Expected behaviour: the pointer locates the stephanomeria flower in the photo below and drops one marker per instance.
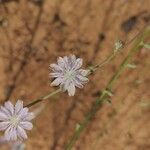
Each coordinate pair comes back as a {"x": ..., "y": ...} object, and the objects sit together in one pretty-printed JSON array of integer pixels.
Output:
[
  {"x": 14, "y": 120},
  {"x": 68, "y": 75}
]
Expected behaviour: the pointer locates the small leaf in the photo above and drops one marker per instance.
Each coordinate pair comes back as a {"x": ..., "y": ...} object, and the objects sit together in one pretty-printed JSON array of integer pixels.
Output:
[
  {"x": 132, "y": 66},
  {"x": 118, "y": 45},
  {"x": 77, "y": 126},
  {"x": 109, "y": 101},
  {"x": 109, "y": 93},
  {"x": 91, "y": 68},
  {"x": 147, "y": 46}
]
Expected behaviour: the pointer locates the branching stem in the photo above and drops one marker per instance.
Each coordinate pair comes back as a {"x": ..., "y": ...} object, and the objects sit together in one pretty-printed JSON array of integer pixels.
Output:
[{"x": 104, "y": 96}]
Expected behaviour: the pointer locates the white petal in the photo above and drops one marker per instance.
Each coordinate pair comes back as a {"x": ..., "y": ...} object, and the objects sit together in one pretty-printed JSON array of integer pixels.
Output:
[
  {"x": 65, "y": 85},
  {"x": 84, "y": 72},
  {"x": 21, "y": 133},
  {"x": 82, "y": 78},
  {"x": 18, "y": 106},
  {"x": 71, "y": 62},
  {"x": 55, "y": 75},
  {"x": 56, "y": 82},
  {"x": 71, "y": 90},
  {"x": 61, "y": 62},
  {"x": 78, "y": 84},
  {"x": 4, "y": 125},
  {"x": 55, "y": 67},
  {"x": 78, "y": 64},
  {"x": 62, "y": 87},
  {"x": 3, "y": 116},
  {"x": 13, "y": 135},
  {"x": 5, "y": 111},
  {"x": 29, "y": 117},
  {"x": 10, "y": 134},
  {"x": 9, "y": 106},
  {"x": 65, "y": 58},
  {"x": 23, "y": 112},
  {"x": 26, "y": 125},
  {"x": 73, "y": 57}
]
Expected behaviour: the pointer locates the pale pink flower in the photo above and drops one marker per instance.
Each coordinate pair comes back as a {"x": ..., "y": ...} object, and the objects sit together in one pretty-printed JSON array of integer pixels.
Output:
[
  {"x": 14, "y": 120},
  {"x": 68, "y": 75}
]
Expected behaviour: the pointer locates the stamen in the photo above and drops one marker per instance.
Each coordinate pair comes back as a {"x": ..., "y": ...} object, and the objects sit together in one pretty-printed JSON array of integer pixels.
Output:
[{"x": 14, "y": 120}]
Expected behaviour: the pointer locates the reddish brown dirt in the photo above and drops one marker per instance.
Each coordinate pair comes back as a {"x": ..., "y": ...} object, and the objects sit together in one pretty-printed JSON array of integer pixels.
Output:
[{"x": 33, "y": 35}]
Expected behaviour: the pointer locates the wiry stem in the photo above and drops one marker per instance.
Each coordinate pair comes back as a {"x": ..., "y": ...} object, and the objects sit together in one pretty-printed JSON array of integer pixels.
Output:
[
  {"x": 43, "y": 98},
  {"x": 104, "y": 96},
  {"x": 108, "y": 59}
]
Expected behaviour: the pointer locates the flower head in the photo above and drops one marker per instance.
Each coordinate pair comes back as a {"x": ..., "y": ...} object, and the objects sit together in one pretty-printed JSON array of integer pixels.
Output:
[
  {"x": 68, "y": 75},
  {"x": 14, "y": 120}
]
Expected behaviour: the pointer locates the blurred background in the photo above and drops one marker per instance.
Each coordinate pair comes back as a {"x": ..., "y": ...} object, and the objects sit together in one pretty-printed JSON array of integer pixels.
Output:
[{"x": 33, "y": 33}]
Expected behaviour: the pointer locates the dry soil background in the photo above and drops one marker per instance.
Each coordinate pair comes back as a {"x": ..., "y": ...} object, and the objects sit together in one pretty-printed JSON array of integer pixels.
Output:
[{"x": 33, "y": 33}]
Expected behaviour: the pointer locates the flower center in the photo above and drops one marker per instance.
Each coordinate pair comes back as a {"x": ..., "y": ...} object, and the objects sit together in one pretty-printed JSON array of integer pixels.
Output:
[
  {"x": 14, "y": 120},
  {"x": 69, "y": 75}
]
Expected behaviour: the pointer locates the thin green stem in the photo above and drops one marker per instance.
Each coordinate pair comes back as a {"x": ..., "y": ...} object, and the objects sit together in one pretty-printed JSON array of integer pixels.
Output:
[
  {"x": 107, "y": 60},
  {"x": 104, "y": 96},
  {"x": 43, "y": 98}
]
